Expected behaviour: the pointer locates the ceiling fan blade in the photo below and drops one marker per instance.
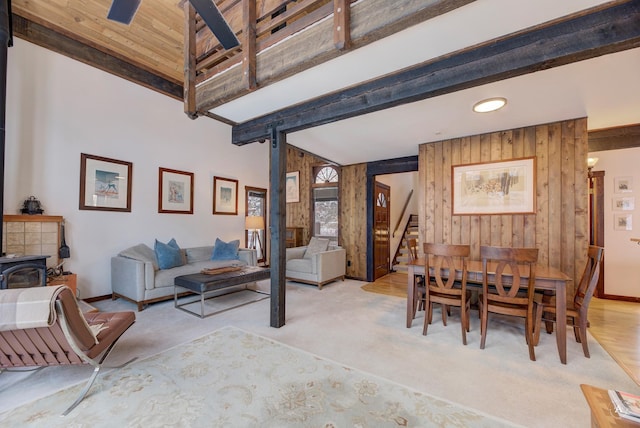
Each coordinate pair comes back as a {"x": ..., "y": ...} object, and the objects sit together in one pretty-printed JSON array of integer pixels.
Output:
[
  {"x": 123, "y": 10},
  {"x": 210, "y": 14}
]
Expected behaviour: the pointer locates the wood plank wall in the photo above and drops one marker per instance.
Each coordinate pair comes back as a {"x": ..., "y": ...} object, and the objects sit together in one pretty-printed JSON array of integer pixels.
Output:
[
  {"x": 353, "y": 207},
  {"x": 299, "y": 213},
  {"x": 353, "y": 218},
  {"x": 559, "y": 229}
]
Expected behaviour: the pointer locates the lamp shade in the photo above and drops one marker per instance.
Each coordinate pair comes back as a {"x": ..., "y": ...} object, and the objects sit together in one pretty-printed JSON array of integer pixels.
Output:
[{"x": 252, "y": 222}]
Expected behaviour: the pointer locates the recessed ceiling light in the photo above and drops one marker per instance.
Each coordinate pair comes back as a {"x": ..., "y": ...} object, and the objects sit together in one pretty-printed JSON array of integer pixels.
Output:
[{"x": 490, "y": 104}]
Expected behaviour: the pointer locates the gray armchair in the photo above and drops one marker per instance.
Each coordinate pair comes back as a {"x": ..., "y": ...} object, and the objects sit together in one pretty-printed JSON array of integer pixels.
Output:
[{"x": 315, "y": 264}]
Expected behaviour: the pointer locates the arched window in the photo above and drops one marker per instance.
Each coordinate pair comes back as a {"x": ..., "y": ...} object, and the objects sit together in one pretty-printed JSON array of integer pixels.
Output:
[{"x": 326, "y": 189}]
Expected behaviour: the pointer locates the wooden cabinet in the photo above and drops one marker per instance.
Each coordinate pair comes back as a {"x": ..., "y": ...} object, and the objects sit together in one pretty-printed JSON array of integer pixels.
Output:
[{"x": 293, "y": 237}]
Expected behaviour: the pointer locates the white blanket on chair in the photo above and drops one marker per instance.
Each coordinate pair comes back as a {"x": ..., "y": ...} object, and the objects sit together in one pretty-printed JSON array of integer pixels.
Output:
[{"x": 28, "y": 307}]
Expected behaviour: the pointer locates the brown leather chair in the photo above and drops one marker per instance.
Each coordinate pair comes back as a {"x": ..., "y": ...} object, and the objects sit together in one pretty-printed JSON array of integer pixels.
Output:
[
  {"x": 578, "y": 308},
  {"x": 502, "y": 294},
  {"x": 441, "y": 286},
  {"x": 69, "y": 340}
]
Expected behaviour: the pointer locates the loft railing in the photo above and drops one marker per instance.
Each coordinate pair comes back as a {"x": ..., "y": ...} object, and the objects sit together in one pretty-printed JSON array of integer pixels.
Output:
[{"x": 258, "y": 25}]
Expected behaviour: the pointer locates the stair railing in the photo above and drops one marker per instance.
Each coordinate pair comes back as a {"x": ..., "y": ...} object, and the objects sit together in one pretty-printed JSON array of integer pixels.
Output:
[
  {"x": 401, "y": 243},
  {"x": 404, "y": 208}
]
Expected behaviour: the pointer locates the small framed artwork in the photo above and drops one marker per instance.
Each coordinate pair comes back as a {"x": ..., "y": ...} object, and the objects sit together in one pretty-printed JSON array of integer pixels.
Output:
[
  {"x": 622, "y": 203},
  {"x": 293, "y": 186},
  {"x": 175, "y": 191},
  {"x": 622, "y": 184},
  {"x": 225, "y": 196},
  {"x": 622, "y": 222},
  {"x": 105, "y": 184}
]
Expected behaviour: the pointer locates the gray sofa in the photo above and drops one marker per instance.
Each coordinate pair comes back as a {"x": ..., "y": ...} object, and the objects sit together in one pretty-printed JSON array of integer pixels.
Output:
[{"x": 135, "y": 275}]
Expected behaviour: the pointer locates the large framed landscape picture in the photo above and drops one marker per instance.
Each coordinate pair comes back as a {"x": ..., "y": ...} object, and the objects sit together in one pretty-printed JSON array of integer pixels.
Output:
[
  {"x": 503, "y": 187},
  {"x": 105, "y": 184}
]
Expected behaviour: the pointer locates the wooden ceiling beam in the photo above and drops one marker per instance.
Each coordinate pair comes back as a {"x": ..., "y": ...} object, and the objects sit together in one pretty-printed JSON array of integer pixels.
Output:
[
  {"x": 603, "y": 30},
  {"x": 620, "y": 137},
  {"x": 62, "y": 44}
]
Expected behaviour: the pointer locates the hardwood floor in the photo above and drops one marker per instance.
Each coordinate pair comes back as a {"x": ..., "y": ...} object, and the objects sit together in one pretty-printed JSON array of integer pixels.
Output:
[{"x": 614, "y": 324}]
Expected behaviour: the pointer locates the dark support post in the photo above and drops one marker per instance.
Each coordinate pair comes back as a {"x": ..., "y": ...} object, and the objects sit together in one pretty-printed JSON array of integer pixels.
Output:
[
  {"x": 5, "y": 41},
  {"x": 278, "y": 224}
]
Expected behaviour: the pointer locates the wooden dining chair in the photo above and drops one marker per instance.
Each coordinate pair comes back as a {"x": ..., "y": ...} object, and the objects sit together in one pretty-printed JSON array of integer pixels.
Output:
[
  {"x": 419, "y": 290},
  {"x": 578, "y": 308},
  {"x": 441, "y": 285},
  {"x": 501, "y": 288}
]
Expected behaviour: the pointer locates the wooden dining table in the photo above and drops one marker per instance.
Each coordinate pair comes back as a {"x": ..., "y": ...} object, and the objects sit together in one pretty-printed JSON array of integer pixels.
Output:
[{"x": 547, "y": 278}]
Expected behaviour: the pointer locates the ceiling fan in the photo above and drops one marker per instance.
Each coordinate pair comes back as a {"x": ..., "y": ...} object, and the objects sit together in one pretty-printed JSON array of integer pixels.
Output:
[{"x": 123, "y": 11}]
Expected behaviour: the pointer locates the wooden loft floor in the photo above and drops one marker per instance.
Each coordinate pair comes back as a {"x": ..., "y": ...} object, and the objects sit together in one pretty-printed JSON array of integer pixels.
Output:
[{"x": 614, "y": 324}]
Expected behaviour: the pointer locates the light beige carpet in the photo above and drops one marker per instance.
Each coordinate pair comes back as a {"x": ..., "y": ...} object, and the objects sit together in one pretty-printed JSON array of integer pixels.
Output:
[
  {"x": 232, "y": 378},
  {"x": 366, "y": 331}
]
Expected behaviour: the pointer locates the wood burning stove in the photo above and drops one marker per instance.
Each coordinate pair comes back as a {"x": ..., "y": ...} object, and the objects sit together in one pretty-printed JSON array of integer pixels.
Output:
[{"x": 23, "y": 272}]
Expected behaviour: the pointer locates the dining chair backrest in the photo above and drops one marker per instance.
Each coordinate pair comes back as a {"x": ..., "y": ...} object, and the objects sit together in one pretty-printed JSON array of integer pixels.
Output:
[
  {"x": 440, "y": 262},
  {"x": 589, "y": 280},
  {"x": 509, "y": 268},
  {"x": 505, "y": 297}
]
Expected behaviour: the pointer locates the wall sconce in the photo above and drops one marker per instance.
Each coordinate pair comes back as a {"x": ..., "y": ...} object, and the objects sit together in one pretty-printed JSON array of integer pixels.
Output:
[
  {"x": 591, "y": 162},
  {"x": 254, "y": 223}
]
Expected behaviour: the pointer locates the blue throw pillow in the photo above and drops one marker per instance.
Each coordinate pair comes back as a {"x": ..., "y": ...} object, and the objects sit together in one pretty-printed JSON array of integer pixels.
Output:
[
  {"x": 168, "y": 255},
  {"x": 225, "y": 251}
]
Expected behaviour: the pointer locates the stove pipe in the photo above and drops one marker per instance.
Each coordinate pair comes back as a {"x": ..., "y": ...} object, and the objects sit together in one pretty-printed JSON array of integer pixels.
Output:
[{"x": 5, "y": 42}]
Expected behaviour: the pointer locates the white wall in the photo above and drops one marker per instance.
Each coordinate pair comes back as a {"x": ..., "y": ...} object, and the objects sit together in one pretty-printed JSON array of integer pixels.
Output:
[
  {"x": 58, "y": 108},
  {"x": 401, "y": 185},
  {"x": 622, "y": 257}
]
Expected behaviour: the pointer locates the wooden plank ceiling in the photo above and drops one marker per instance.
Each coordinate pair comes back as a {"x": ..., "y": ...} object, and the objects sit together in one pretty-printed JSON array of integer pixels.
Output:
[{"x": 149, "y": 51}]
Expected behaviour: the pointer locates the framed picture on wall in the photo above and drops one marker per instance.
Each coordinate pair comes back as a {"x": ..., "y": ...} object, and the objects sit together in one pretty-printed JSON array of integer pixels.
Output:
[
  {"x": 622, "y": 222},
  {"x": 105, "y": 184},
  {"x": 622, "y": 184},
  {"x": 622, "y": 203},
  {"x": 175, "y": 191},
  {"x": 293, "y": 186},
  {"x": 225, "y": 196},
  {"x": 503, "y": 187}
]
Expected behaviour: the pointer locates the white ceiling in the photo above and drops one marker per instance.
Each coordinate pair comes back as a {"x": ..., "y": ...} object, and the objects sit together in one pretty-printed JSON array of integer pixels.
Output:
[{"x": 604, "y": 89}]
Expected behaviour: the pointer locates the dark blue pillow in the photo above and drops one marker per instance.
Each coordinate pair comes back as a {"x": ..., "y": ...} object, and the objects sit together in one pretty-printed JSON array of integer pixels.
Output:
[
  {"x": 168, "y": 255},
  {"x": 225, "y": 251}
]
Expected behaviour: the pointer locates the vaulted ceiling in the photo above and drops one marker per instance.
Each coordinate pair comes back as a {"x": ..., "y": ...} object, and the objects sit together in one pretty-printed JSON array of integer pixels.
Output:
[{"x": 150, "y": 52}]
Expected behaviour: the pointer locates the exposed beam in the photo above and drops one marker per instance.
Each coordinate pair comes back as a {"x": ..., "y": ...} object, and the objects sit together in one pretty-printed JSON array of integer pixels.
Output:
[
  {"x": 49, "y": 39},
  {"x": 341, "y": 24},
  {"x": 277, "y": 225},
  {"x": 621, "y": 137},
  {"x": 588, "y": 35}
]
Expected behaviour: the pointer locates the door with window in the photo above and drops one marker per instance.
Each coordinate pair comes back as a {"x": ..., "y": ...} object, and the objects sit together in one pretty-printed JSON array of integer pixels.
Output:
[
  {"x": 381, "y": 216},
  {"x": 256, "y": 221}
]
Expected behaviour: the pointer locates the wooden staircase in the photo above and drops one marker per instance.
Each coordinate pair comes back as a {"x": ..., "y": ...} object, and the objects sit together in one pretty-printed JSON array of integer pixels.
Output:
[{"x": 402, "y": 257}]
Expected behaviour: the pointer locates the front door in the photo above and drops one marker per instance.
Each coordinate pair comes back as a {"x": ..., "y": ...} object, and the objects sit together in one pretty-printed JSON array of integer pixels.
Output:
[{"x": 381, "y": 215}]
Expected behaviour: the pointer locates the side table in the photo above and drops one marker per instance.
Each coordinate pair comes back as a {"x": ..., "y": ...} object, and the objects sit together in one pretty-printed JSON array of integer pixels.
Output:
[
  {"x": 603, "y": 413},
  {"x": 70, "y": 280}
]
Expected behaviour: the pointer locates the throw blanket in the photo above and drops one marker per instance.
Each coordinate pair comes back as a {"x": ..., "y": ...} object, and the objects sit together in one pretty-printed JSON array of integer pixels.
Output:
[{"x": 28, "y": 307}]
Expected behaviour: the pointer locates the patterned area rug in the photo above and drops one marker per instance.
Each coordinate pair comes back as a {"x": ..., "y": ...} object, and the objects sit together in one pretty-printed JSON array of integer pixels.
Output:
[{"x": 232, "y": 378}]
